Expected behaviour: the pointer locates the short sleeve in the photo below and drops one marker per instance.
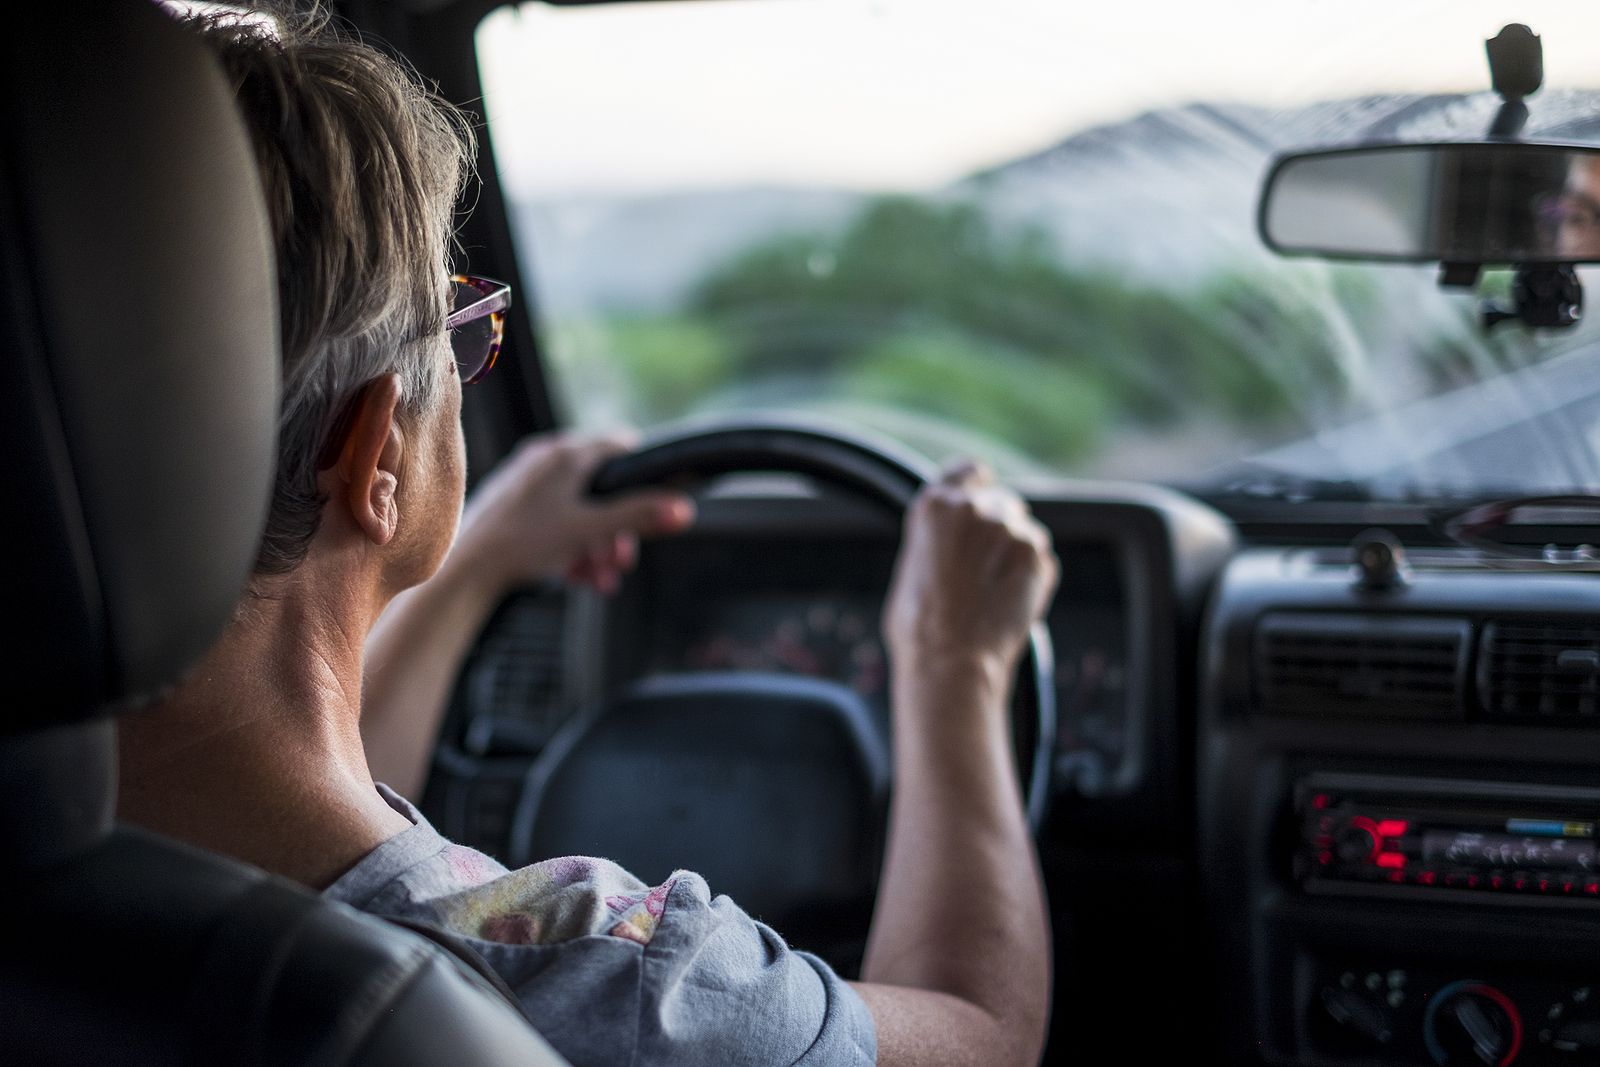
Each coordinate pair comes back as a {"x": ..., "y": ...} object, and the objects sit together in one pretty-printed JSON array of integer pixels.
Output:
[
  {"x": 617, "y": 973},
  {"x": 718, "y": 987}
]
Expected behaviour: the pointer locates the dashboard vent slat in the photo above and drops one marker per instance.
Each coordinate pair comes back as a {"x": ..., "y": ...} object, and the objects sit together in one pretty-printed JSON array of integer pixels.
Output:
[
  {"x": 514, "y": 690},
  {"x": 1540, "y": 672},
  {"x": 1310, "y": 664}
]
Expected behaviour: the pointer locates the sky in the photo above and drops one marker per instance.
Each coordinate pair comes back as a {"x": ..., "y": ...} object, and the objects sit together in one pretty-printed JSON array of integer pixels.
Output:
[{"x": 911, "y": 94}]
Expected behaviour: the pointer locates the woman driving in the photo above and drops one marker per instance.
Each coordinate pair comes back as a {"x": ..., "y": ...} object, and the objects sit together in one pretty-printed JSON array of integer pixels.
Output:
[{"x": 371, "y": 582}]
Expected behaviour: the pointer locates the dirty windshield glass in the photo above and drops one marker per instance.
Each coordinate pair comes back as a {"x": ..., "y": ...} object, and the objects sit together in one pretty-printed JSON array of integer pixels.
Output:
[{"x": 1027, "y": 231}]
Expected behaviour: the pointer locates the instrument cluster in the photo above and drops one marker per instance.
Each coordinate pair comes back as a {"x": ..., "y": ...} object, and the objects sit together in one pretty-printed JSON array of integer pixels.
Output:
[
  {"x": 832, "y": 636},
  {"x": 813, "y": 608}
]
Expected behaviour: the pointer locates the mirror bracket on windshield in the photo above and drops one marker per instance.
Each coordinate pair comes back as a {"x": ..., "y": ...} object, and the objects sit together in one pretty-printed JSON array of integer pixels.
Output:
[
  {"x": 1545, "y": 295},
  {"x": 1548, "y": 296}
]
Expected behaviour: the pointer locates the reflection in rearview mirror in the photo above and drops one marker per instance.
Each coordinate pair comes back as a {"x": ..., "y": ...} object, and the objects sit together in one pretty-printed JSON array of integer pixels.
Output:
[{"x": 1457, "y": 203}]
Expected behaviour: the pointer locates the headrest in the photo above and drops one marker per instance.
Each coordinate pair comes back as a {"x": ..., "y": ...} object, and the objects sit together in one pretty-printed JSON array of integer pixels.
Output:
[{"x": 139, "y": 388}]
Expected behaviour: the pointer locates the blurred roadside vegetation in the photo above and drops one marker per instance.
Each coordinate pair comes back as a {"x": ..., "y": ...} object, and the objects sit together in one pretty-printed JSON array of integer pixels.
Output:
[{"x": 928, "y": 307}]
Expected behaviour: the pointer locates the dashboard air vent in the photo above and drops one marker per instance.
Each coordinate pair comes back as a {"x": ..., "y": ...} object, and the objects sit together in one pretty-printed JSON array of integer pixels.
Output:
[
  {"x": 513, "y": 691},
  {"x": 1374, "y": 666},
  {"x": 1537, "y": 671}
]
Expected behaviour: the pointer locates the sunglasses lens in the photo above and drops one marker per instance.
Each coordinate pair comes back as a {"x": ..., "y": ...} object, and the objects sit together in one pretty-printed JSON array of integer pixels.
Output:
[{"x": 472, "y": 341}]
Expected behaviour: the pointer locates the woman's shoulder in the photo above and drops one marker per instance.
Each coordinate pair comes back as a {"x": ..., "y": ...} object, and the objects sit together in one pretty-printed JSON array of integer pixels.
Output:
[
  {"x": 550, "y": 902},
  {"x": 612, "y": 968}
]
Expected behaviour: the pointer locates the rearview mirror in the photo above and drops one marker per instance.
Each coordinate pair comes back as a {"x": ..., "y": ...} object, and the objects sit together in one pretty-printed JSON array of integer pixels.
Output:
[{"x": 1494, "y": 203}]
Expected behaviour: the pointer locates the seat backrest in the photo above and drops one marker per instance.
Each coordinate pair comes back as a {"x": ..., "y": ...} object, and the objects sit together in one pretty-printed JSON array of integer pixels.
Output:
[{"x": 138, "y": 411}]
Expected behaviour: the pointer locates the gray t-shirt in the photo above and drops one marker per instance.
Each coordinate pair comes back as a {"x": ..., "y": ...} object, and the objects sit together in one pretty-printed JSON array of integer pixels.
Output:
[{"x": 614, "y": 972}]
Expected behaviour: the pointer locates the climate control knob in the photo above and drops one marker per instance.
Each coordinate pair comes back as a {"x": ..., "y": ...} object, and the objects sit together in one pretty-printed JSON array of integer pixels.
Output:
[{"x": 1470, "y": 1022}]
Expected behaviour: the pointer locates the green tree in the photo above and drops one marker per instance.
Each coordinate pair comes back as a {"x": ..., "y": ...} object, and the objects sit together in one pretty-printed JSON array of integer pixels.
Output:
[{"x": 928, "y": 306}]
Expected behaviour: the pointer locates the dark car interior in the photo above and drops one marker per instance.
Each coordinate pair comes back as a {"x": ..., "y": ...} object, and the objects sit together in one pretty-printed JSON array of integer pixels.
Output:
[{"x": 1315, "y": 777}]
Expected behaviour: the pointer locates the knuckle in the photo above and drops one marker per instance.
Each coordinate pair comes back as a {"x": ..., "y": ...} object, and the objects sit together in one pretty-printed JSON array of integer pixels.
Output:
[
  {"x": 1020, "y": 553},
  {"x": 567, "y": 455},
  {"x": 943, "y": 500}
]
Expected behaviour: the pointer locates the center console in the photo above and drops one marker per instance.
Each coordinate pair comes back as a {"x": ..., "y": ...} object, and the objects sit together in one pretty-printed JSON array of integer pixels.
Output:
[{"x": 1400, "y": 813}]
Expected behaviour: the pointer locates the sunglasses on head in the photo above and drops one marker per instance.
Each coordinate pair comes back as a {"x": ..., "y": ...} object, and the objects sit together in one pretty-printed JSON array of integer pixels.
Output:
[{"x": 476, "y": 323}]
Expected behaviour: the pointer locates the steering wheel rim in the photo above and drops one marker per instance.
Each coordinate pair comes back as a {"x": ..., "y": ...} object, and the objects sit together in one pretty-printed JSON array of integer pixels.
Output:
[{"x": 877, "y": 470}]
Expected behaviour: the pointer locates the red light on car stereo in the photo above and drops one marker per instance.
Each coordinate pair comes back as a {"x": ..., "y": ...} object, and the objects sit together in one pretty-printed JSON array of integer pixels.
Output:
[{"x": 1470, "y": 844}]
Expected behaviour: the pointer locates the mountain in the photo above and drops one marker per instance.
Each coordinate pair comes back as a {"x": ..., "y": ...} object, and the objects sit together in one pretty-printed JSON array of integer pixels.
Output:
[{"x": 1167, "y": 195}]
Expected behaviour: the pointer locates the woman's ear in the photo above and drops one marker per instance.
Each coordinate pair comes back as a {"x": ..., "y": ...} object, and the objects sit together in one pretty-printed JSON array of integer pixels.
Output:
[{"x": 369, "y": 464}]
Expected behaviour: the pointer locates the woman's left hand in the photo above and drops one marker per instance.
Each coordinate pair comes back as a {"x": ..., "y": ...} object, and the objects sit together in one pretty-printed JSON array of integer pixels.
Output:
[{"x": 532, "y": 520}]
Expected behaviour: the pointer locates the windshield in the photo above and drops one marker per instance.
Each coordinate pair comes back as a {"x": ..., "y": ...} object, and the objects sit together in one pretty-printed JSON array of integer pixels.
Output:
[{"x": 1027, "y": 231}]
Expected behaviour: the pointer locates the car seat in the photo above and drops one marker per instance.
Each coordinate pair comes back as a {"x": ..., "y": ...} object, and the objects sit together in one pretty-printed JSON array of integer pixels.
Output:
[{"x": 138, "y": 404}]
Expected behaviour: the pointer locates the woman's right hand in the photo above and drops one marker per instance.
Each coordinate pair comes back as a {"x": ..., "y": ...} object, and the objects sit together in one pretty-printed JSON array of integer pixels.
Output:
[
  {"x": 957, "y": 968},
  {"x": 976, "y": 571}
]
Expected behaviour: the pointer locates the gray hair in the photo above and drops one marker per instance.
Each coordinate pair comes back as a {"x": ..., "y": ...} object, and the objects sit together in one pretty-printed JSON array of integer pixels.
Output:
[{"x": 362, "y": 165}]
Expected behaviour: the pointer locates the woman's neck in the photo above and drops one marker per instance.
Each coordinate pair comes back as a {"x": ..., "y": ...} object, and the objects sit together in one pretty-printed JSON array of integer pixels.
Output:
[{"x": 257, "y": 752}]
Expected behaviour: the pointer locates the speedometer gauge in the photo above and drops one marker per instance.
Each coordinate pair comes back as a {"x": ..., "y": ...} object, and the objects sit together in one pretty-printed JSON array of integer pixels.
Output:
[{"x": 834, "y": 638}]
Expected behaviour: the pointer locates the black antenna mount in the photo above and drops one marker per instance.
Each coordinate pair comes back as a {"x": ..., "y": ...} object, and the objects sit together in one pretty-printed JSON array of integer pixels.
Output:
[{"x": 1516, "y": 70}]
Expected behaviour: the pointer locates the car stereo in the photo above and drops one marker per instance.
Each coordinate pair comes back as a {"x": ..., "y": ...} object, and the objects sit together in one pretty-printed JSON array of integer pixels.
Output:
[{"x": 1364, "y": 834}]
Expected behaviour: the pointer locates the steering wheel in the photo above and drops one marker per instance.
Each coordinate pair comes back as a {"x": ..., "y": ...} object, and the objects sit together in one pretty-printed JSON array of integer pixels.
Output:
[
  {"x": 774, "y": 787},
  {"x": 875, "y": 470}
]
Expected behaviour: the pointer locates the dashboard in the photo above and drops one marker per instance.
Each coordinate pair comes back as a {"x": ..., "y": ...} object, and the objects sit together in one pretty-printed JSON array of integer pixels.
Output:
[
  {"x": 1300, "y": 819},
  {"x": 1399, "y": 809}
]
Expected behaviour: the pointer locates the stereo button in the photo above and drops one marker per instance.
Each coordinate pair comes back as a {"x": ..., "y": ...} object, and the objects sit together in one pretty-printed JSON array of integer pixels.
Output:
[{"x": 1356, "y": 844}]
